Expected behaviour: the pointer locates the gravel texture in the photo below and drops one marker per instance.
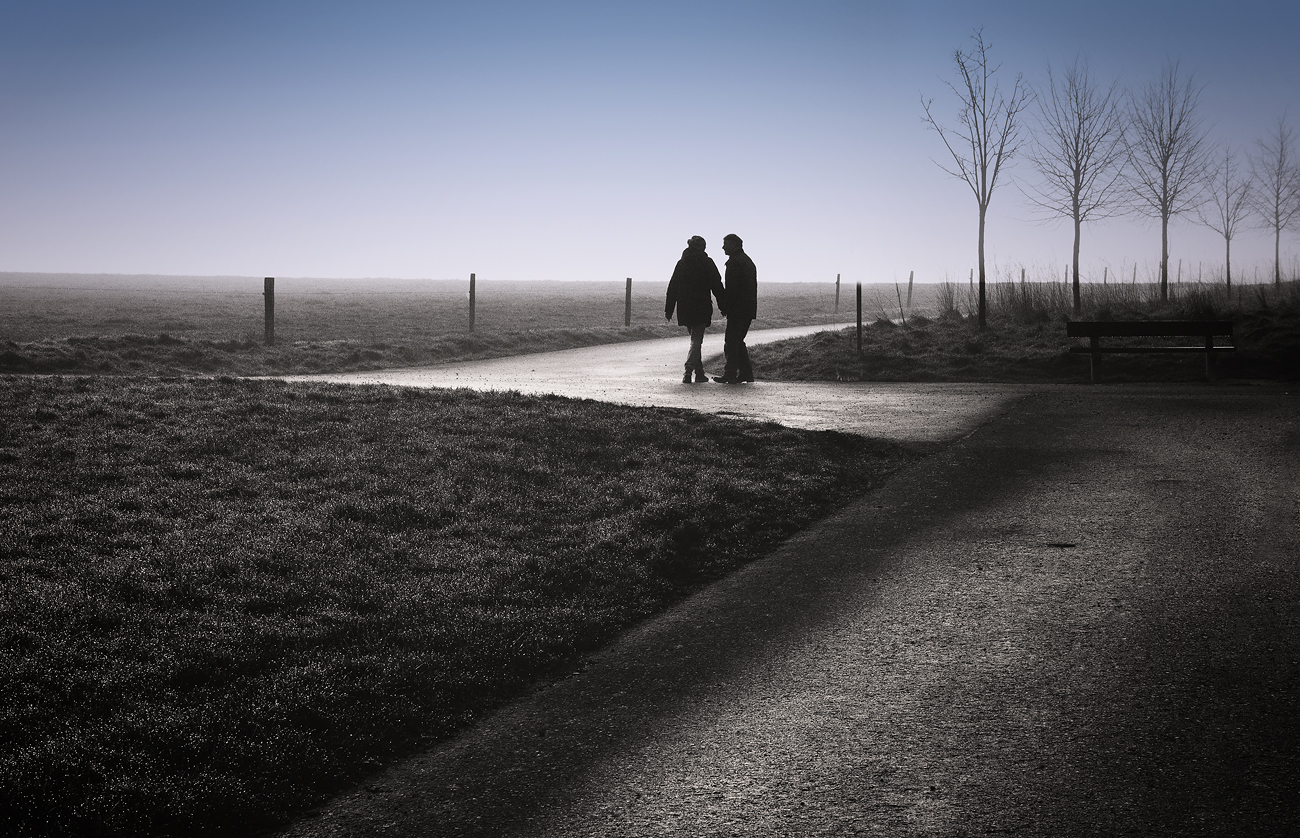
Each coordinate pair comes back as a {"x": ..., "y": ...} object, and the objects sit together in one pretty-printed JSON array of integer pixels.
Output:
[{"x": 1078, "y": 619}]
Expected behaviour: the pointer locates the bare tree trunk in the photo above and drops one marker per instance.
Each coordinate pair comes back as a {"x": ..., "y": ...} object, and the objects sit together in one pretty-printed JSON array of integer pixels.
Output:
[
  {"x": 1078, "y": 305},
  {"x": 1164, "y": 257},
  {"x": 1277, "y": 254},
  {"x": 1227, "y": 261},
  {"x": 1168, "y": 154},
  {"x": 983, "y": 308},
  {"x": 989, "y": 129},
  {"x": 1079, "y": 150},
  {"x": 1275, "y": 169}
]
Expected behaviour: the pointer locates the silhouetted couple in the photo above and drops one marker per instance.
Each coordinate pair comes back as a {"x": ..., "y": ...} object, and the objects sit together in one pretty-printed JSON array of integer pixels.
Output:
[{"x": 696, "y": 278}]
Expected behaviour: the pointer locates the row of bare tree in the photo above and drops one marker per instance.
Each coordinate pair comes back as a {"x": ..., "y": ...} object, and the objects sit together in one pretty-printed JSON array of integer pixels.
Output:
[{"x": 1100, "y": 151}]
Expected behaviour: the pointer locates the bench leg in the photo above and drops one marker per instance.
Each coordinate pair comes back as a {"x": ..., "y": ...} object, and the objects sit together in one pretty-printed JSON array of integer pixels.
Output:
[
  {"x": 1094, "y": 358},
  {"x": 1210, "y": 374}
]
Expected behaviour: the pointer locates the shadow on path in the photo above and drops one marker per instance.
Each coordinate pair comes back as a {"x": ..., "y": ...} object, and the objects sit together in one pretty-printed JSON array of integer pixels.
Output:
[{"x": 1077, "y": 621}]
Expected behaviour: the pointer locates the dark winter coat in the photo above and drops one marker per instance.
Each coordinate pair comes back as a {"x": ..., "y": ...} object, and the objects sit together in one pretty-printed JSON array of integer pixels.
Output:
[
  {"x": 694, "y": 278},
  {"x": 742, "y": 287}
]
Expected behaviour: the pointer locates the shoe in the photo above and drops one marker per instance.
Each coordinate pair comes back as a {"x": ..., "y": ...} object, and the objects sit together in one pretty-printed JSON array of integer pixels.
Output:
[
  {"x": 686, "y": 379},
  {"x": 746, "y": 379},
  {"x": 722, "y": 379},
  {"x": 701, "y": 377}
]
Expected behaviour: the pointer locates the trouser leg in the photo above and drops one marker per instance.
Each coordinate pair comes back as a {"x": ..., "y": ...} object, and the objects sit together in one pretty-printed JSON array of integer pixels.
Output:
[
  {"x": 737, "y": 353},
  {"x": 731, "y": 349},
  {"x": 694, "y": 358}
]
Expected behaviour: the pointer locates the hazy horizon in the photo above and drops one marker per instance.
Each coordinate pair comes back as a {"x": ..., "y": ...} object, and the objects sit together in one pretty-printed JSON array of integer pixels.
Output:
[
  {"x": 288, "y": 284},
  {"x": 572, "y": 141}
]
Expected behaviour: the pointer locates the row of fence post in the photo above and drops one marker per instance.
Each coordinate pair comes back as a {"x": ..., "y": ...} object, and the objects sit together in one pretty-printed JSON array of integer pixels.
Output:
[{"x": 268, "y": 294}]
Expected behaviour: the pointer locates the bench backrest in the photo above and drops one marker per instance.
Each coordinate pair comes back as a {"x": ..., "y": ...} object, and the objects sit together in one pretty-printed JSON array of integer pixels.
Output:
[{"x": 1146, "y": 328}]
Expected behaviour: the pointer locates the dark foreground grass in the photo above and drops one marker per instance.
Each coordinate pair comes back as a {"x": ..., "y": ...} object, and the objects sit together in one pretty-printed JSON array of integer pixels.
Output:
[
  {"x": 1025, "y": 339},
  {"x": 222, "y": 599}
]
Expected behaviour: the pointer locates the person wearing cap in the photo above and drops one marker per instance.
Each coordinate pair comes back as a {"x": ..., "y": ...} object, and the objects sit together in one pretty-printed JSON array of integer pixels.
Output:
[
  {"x": 741, "y": 309},
  {"x": 694, "y": 279}
]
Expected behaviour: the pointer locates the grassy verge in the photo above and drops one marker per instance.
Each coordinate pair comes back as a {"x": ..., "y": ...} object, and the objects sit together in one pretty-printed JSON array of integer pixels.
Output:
[
  {"x": 1025, "y": 339},
  {"x": 221, "y": 599}
]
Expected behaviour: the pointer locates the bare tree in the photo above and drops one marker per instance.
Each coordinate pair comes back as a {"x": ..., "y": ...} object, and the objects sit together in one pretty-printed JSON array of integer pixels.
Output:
[
  {"x": 988, "y": 132},
  {"x": 1078, "y": 149},
  {"x": 1167, "y": 153},
  {"x": 1228, "y": 204},
  {"x": 1276, "y": 169}
]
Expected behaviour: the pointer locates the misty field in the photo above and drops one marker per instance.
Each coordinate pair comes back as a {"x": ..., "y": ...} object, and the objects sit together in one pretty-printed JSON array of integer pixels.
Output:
[{"x": 125, "y": 325}]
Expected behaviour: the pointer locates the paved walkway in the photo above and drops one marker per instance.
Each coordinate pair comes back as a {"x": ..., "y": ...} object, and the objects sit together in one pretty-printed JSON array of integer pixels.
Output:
[
  {"x": 648, "y": 373},
  {"x": 1077, "y": 619}
]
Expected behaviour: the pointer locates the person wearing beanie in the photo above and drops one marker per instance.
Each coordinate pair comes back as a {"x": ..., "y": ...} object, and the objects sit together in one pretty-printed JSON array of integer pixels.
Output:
[
  {"x": 694, "y": 279},
  {"x": 742, "y": 308}
]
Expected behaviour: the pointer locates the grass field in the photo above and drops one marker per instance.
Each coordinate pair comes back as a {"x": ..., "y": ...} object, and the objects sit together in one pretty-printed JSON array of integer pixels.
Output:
[
  {"x": 123, "y": 325},
  {"x": 222, "y": 599}
]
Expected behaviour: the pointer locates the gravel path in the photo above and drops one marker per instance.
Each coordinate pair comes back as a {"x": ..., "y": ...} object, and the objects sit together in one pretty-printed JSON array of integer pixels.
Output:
[{"x": 1078, "y": 619}]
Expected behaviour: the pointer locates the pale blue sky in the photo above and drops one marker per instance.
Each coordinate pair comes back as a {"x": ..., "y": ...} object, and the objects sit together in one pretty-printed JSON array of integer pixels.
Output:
[{"x": 564, "y": 140}]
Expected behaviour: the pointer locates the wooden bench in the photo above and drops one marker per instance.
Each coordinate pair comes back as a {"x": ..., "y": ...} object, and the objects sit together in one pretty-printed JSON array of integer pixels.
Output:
[{"x": 1095, "y": 330}]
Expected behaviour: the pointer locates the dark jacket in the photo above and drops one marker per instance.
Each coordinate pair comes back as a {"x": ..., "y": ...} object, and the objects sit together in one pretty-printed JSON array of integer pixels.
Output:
[
  {"x": 688, "y": 291},
  {"x": 742, "y": 287}
]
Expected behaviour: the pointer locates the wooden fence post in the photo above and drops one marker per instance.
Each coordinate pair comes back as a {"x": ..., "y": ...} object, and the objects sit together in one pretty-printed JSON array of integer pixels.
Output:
[
  {"x": 837, "y": 293},
  {"x": 627, "y": 304},
  {"x": 859, "y": 318},
  {"x": 268, "y": 295},
  {"x": 471, "y": 302},
  {"x": 910, "y": 276}
]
